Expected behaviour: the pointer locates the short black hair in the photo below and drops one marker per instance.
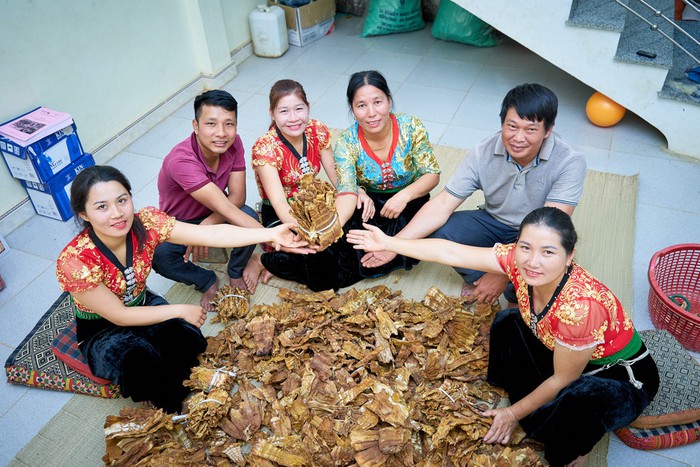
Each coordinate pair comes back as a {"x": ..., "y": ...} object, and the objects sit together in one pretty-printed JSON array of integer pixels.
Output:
[
  {"x": 532, "y": 102},
  {"x": 215, "y": 98}
]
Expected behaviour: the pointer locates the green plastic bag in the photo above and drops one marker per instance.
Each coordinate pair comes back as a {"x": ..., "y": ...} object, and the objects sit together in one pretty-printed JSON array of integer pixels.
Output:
[
  {"x": 454, "y": 23},
  {"x": 392, "y": 16}
]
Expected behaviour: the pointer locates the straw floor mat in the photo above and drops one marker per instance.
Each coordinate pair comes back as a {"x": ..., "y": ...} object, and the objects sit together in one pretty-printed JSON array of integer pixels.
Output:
[{"x": 605, "y": 223}]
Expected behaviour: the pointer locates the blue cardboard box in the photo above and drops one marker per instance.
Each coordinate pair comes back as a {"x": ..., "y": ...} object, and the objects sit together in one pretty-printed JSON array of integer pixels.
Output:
[
  {"x": 52, "y": 198},
  {"x": 41, "y": 161}
]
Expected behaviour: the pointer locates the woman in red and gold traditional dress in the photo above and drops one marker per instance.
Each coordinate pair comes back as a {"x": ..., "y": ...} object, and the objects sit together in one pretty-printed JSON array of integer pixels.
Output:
[
  {"x": 569, "y": 357},
  {"x": 296, "y": 145},
  {"x": 147, "y": 350}
]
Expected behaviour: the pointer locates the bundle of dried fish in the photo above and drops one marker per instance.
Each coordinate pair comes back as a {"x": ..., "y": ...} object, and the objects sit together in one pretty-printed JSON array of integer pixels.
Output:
[
  {"x": 205, "y": 411},
  {"x": 136, "y": 434},
  {"x": 230, "y": 303},
  {"x": 313, "y": 208},
  {"x": 205, "y": 379}
]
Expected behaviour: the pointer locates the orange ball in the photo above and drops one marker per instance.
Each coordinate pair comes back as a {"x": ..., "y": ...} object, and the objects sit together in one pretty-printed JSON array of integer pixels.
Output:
[{"x": 603, "y": 111}]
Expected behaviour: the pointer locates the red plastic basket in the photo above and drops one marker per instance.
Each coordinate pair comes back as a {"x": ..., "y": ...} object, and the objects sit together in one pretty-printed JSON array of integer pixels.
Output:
[{"x": 676, "y": 271}]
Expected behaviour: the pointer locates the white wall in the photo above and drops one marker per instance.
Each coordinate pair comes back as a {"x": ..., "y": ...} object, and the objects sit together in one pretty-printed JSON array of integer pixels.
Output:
[{"x": 109, "y": 63}]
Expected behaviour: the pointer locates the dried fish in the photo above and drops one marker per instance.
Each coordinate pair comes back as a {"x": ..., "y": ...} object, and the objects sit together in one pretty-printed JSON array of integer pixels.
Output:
[{"x": 363, "y": 378}]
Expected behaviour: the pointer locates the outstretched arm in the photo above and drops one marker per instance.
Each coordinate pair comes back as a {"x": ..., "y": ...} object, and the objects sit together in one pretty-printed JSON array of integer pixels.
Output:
[
  {"x": 231, "y": 236},
  {"x": 429, "y": 249}
]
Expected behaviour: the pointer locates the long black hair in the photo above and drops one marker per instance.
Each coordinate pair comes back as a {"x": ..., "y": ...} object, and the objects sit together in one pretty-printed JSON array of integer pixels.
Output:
[{"x": 88, "y": 178}]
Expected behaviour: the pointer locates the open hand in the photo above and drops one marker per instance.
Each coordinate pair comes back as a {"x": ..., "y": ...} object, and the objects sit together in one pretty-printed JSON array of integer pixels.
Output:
[
  {"x": 377, "y": 258},
  {"x": 284, "y": 236},
  {"x": 504, "y": 422},
  {"x": 371, "y": 239}
]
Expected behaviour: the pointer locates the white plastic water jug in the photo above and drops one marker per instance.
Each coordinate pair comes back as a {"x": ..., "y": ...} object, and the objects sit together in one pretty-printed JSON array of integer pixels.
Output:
[{"x": 269, "y": 31}]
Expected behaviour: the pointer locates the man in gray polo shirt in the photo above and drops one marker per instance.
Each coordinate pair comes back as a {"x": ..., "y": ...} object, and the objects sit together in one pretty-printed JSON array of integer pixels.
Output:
[{"x": 522, "y": 167}]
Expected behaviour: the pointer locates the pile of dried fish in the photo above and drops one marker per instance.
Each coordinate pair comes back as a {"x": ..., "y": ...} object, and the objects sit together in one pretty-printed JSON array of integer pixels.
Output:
[
  {"x": 313, "y": 207},
  {"x": 230, "y": 303},
  {"x": 362, "y": 378}
]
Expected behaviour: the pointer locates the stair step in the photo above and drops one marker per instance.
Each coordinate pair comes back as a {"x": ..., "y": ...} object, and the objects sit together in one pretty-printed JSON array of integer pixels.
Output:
[
  {"x": 677, "y": 85},
  {"x": 598, "y": 14},
  {"x": 638, "y": 35}
]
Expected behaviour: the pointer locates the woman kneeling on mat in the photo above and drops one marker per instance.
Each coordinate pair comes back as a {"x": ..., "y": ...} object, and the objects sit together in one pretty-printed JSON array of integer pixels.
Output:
[
  {"x": 147, "y": 350},
  {"x": 569, "y": 356}
]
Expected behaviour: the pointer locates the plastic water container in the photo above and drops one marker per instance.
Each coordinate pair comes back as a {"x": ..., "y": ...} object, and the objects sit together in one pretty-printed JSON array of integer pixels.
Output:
[{"x": 269, "y": 31}]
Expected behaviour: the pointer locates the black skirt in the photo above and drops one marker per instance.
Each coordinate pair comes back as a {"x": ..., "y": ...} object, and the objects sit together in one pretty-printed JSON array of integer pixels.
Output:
[
  {"x": 149, "y": 363},
  {"x": 339, "y": 265}
]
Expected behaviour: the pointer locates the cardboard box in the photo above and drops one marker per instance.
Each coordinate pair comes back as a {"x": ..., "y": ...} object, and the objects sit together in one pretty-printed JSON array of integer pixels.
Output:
[
  {"x": 308, "y": 22},
  {"x": 52, "y": 198},
  {"x": 39, "y": 162}
]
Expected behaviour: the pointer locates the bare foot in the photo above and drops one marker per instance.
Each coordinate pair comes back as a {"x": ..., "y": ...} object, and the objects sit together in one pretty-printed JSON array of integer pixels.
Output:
[
  {"x": 208, "y": 296},
  {"x": 237, "y": 282},
  {"x": 468, "y": 291},
  {"x": 266, "y": 276},
  {"x": 580, "y": 461},
  {"x": 252, "y": 272}
]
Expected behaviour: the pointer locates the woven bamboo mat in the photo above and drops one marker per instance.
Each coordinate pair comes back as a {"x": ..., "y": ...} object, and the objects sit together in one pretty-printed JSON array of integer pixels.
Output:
[{"x": 605, "y": 223}]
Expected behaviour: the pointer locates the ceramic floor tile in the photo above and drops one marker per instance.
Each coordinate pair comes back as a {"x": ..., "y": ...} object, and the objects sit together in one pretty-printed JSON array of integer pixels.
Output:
[
  {"x": 19, "y": 269},
  {"x": 596, "y": 158},
  {"x": 498, "y": 80},
  {"x": 410, "y": 99},
  {"x": 158, "y": 141},
  {"x": 322, "y": 57},
  {"x": 148, "y": 196},
  {"x": 463, "y": 136},
  {"x": 479, "y": 111},
  {"x": 619, "y": 454},
  {"x": 20, "y": 314},
  {"x": 447, "y": 74},
  {"x": 456, "y": 51},
  {"x": 678, "y": 181},
  {"x": 435, "y": 130},
  {"x": 573, "y": 125},
  {"x": 55, "y": 235},
  {"x": 254, "y": 74},
  {"x": 139, "y": 170},
  {"x": 513, "y": 55},
  {"x": 393, "y": 66},
  {"x": 9, "y": 393},
  {"x": 417, "y": 43},
  {"x": 348, "y": 38},
  {"x": 635, "y": 136},
  {"x": 254, "y": 115},
  {"x": 26, "y": 418}
]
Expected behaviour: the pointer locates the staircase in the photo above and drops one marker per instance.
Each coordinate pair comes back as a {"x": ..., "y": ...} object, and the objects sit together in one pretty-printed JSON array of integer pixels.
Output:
[{"x": 597, "y": 42}]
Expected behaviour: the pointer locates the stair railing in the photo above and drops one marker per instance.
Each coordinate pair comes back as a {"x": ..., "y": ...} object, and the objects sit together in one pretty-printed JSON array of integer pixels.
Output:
[{"x": 655, "y": 27}]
